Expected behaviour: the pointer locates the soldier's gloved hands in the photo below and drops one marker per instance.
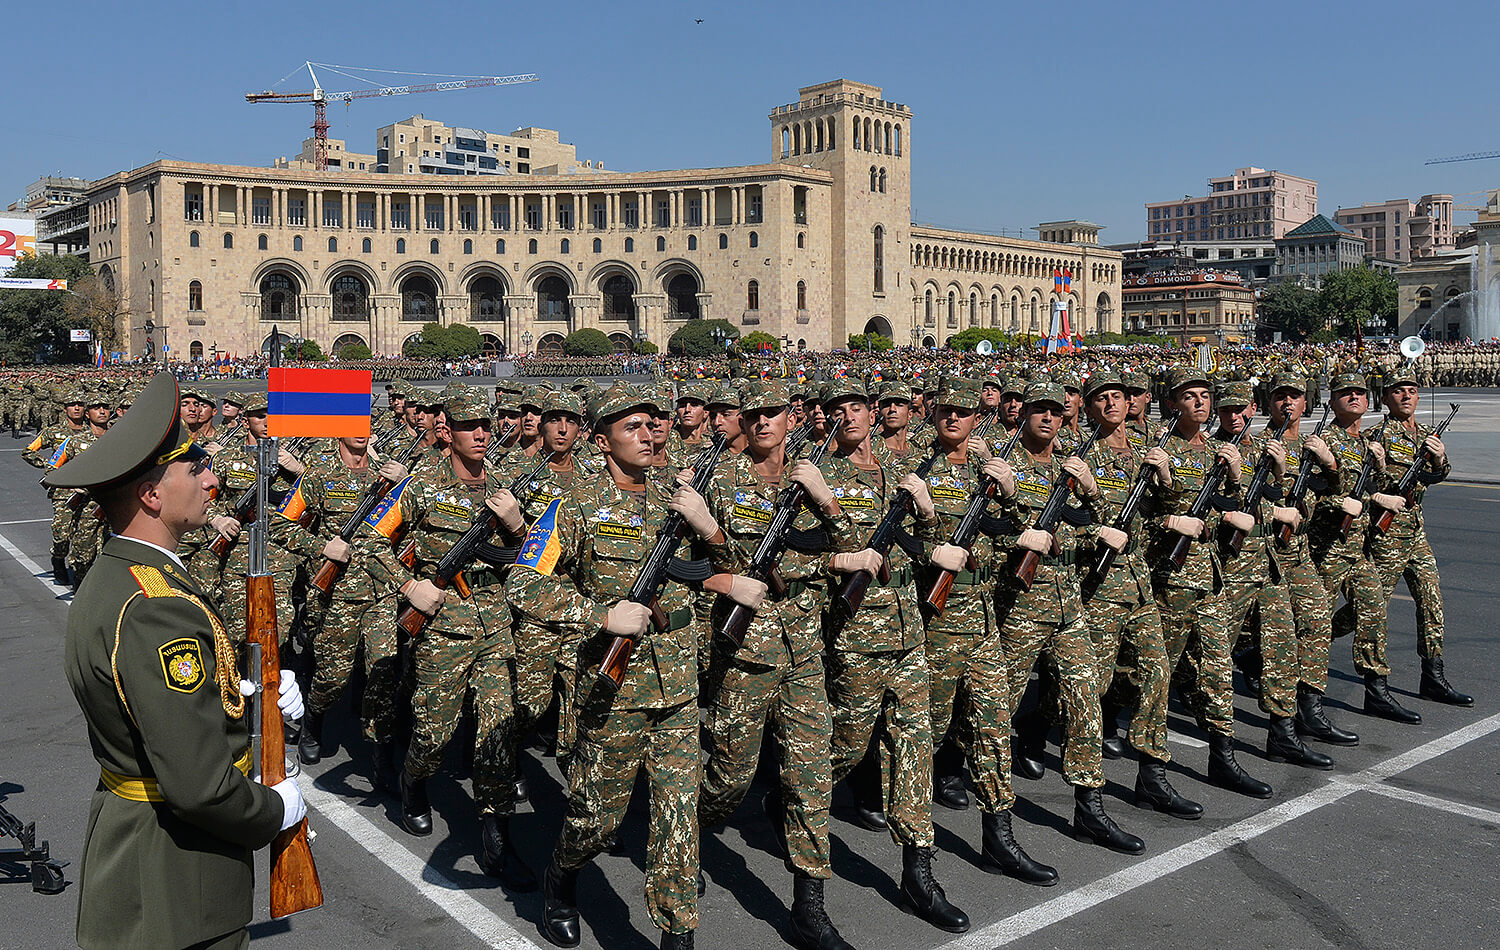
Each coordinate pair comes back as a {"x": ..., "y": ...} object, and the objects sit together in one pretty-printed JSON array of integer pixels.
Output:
[
  {"x": 921, "y": 498},
  {"x": 1436, "y": 449},
  {"x": 1276, "y": 449},
  {"x": 1113, "y": 537},
  {"x": 1352, "y": 507},
  {"x": 1084, "y": 485},
  {"x": 1389, "y": 502},
  {"x": 856, "y": 561},
  {"x": 1035, "y": 539},
  {"x": 293, "y": 805},
  {"x": 392, "y": 471},
  {"x": 1318, "y": 449},
  {"x": 806, "y": 474},
  {"x": 507, "y": 509},
  {"x": 227, "y": 526},
  {"x": 1230, "y": 456},
  {"x": 213, "y": 448},
  {"x": 980, "y": 449},
  {"x": 1157, "y": 458},
  {"x": 289, "y": 697},
  {"x": 950, "y": 557},
  {"x": 747, "y": 591},
  {"x": 1377, "y": 452},
  {"x": 1240, "y": 521},
  {"x": 425, "y": 596},
  {"x": 1003, "y": 475},
  {"x": 1183, "y": 525},
  {"x": 337, "y": 550},
  {"x": 627, "y": 619},
  {"x": 1287, "y": 514},
  {"x": 289, "y": 462},
  {"x": 694, "y": 510}
]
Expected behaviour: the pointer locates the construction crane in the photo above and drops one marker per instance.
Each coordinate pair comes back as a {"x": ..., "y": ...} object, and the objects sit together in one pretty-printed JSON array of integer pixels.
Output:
[
  {"x": 320, "y": 99},
  {"x": 1470, "y": 157}
]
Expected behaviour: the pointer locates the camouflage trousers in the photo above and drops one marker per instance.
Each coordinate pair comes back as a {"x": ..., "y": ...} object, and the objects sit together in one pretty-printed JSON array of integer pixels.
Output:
[
  {"x": 1314, "y": 620},
  {"x": 970, "y": 692},
  {"x": 863, "y": 688},
  {"x": 1192, "y": 621},
  {"x": 1130, "y": 669},
  {"x": 790, "y": 695},
  {"x": 231, "y": 589},
  {"x": 613, "y": 746},
  {"x": 381, "y": 703},
  {"x": 335, "y": 642},
  {"x": 62, "y": 523},
  {"x": 546, "y": 661},
  {"x": 1069, "y": 653},
  {"x": 1251, "y": 595},
  {"x": 445, "y": 670},
  {"x": 1357, "y": 579},
  {"x": 87, "y": 540},
  {"x": 1402, "y": 553}
]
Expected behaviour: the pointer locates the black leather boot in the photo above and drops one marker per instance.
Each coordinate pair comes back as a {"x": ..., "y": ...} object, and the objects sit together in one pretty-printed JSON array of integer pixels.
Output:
[
  {"x": 865, "y": 784},
  {"x": 1000, "y": 854},
  {"x": 1225, "y": 772},
  {"x": 1314, "y": 723},
  {"x": 771, "y": 805},
  {"x": 416, "y": 813},
  {"x": 1114, "y": 746},
  {"x": 948, "y": 777},
  {"x": 922, "y": 896},
  {"x": 1283, "y": 745},
  {"x": 1435, "y": 685},
  {"x": 811, "y": 928},
  {"x": 1091, "y": 823},
  {"x": 1029, "y": 746},
  {"x": 522, "y": 791},
  {"x": 1152, "y": 790},
  {"x": 1379, "y": 702},
  {"x": 310, "y": 741},
  {"x": 670, "y": 941},
  {"x": 60, "y": 572},
  {"x": 498, "y": 857},
  {"x": 1250, "y": 664},
  {"x": 559, "y": 922},
  {"x": 383, "y": 767}
]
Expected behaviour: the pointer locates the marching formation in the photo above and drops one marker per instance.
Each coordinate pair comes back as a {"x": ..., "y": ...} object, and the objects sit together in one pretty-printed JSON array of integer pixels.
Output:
[{"x": 910, "y": 589}]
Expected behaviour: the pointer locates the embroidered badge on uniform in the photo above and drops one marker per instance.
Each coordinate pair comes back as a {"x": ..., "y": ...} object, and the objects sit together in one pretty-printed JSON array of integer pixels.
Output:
[{"x": 182, "y": 664}]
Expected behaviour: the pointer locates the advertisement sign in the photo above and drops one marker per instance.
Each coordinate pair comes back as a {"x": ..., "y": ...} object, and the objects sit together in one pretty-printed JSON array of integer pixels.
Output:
[
  {"x": 32, "y": 283},
  {"x": 80, "y": 336},
  {"x": 17, "y": 239}
]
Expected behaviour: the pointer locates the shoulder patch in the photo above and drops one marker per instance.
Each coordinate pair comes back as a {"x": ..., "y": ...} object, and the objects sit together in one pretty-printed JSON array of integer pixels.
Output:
[
  {"x": 150, "y": 581},
  {"x": 181, "y": 663}
]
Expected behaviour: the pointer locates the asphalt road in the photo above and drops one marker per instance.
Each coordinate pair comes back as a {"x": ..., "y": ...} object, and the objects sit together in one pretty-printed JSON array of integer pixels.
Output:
[{"x": 1395, "y": 848}]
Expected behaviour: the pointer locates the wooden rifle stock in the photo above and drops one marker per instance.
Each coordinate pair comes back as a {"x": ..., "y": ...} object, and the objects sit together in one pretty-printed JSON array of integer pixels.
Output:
[
  {"x": 412, "y": 620},
  {"x": 1025, "y": 569},
  {"x": 968, "y": 526},
  {"x": 1235, "y": 542},
  {"x": 294, "y": 881},
  {"x": 1183, "y": 546},
  {"x": 328, "y": 575}
]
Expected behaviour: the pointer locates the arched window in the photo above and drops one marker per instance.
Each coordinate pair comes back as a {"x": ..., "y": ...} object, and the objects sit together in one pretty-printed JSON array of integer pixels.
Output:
[
  {"x": 228, "y": 241},
  {"x": 927, "y": 316},
  {"x": 432, "y": 246},
  {"x": 195, "y": 295},
  {"x": 882, "y": 181},
  {"x": 994, "y": 310},
  {"x": 801, "y": 295},
  {"x": 333, "y": 245},
  {"x": 661, "y": 244},
  {"x": 500, "y": 246},
  {"x": 952, "y": 309},
  {"x": 297, "y": 243},
  {"x": 598, "y": 246},
  {"x": 797, "y": 140},
  {"x": 192, "y": 239},
  {"x": 973, "y": 310},
  {"x": 723, "y": 242},
  {"x": 618, "y": 292},
  {"x": 418, "y": 298},
  {"x": 468, "y": 246},
  {"x": 802, "y": 239},
  {"x": 566, "y": 247},
  {"x": 349, "y": 298},
  {"x": 752, "y": 296},
  {"x": 278, "y": 296},
  {"x": 879, "y": 259},
  {"x": 692, "y": 242},
  {"x": 195, "y": 351},
  {"x": 262, "y": 242},
  {"x": 831, "y": 126},
  {"x": 754, "y": 239},
  {"x": 898, "y": 140},
  {"x": 531, "y": 246},
  {"x": 365, "y": 245},
  {"x": 1424, "y": 298},
  {"x": 487, "y": 299},
  {"x": 682, "y": 297},
  {"x": 872, "y": 178},
  {"x": 552, "y": 298},
  {"x": 855, "y": 140},
  {"x": 400, "y": 245}
]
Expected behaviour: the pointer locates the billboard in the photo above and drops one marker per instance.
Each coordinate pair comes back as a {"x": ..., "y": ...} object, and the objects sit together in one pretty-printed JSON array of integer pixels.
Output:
[{"x": 17, "y": 239}]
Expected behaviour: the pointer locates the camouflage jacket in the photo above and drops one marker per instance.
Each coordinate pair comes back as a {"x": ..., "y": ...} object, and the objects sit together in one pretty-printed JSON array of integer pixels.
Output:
[
  {"x": 1054, "y": 592},
  {"x": 1191, "y": 464},
  {"x": 1129, "y": 581},
  {"x": 322, "y": 499},
  {"x": 1401, "y": 446},
  {"x": 53, "y": 446},
  {"x": 1327, "y": 515}
]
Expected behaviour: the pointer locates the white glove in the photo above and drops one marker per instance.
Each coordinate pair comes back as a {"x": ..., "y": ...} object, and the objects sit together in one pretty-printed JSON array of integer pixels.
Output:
[
  {"x": 747, "y": 591},
  {"x": 627, "y": 619},
  {"x": 293, "y": 805},
  {"x": 289, "y": 462},
  {"x": 1157, "y": 458},
  {"x": 1240, "y": 520},
  {"x": 807, "y": 475},
  {"x": 289, "y": 700},
  {"x": 1318, "y": 449},
  {"x": 1183, "y": 525},
  {"x": 921, "y": 498},
  {"x": 1230, "y": 456},
  {"x": 1035, "y": 539},
  {"x": 694, "y": 510},
  {"x": 226, "y": 526},
  {"x": 1352, "y": 507},
  {"x": 337, "y": 550},
  {"x": 507, "y": 509},
  {"x": 1113, "y": 537},
  {"x": 392, "y": 471},
  {"x": 950, "y": 557},
  {"x": 1377, "y": 452},
  {"x": 1435, "y": 448},
  {"x": 980, "y": 449},
  {"x": 426, "y": 596},
  {"x": 1389, "y": 502},
  {"x": 1287, "y": 514},
  {"x": 1003, "y": 474},
  {"x": 854, "y": 562},
  {"x": 1084, "y": 485}
]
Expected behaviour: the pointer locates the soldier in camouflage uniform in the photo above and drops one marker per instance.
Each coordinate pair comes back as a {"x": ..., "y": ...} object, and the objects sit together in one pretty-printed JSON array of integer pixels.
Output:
[
  {"x": 50, "y": 449},
  {"x": 690, "y": 430},
  {"x": 1404, "y": 552},
  {"x": 575, "y": 570},
  {"x": 775, "y": 677},
  {"x": 88, "y": 530},
  {"x": 1191, "y": 598},
  {"x": 892, "y": 442},
  {"x": 466, "y": 648},
  {"x": 877, "y": 666}
]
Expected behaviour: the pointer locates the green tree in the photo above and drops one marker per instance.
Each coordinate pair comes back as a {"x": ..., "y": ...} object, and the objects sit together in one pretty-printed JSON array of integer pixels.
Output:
[
  {"x": 438, "y": 342},
  {"x": 1292, "y": 309},
  {"x": 967, "y": 339},
  {"x": 355, "y": 351},
  {"x": 34, "y": 324},
  {"x": 870, "y": 342},
  {"x": 646, "y": 348},
  {"x": 1351, "y": 297},
  {"x": 587, "y": 342},
  {"x": 463, "y": 340},
  {"x": 696, "y": 338},
  {"x": 754, "y": 340},
  {"x": 306, "y": 351}
]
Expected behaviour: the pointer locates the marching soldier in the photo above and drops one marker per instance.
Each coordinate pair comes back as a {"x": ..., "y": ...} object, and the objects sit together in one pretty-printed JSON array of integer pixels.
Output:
[{"x": 49, "y": 450}]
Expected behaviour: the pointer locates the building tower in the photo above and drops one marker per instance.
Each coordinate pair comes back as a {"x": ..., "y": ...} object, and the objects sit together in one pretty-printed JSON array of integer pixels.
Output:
[{"x": 864, "y": 141}]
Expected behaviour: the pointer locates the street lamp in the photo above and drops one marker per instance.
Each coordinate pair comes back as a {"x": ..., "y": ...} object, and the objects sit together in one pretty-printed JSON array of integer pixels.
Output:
[{"x": 526, "y": 339}]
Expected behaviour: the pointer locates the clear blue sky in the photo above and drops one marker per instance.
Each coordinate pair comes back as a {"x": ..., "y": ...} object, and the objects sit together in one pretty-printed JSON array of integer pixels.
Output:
[{"x": 1023, "y": 112}]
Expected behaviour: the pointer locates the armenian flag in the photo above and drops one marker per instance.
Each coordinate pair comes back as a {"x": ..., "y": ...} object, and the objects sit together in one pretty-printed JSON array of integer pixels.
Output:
[{"x": 322, "y": 403}]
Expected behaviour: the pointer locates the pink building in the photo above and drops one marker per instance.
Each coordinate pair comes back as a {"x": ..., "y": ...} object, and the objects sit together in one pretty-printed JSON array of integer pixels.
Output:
[{"x": 1252, "y": 203}]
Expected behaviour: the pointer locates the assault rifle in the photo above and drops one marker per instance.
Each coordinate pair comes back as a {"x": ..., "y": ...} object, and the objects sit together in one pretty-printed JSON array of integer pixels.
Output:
[
  {"x": 657, "y": 570},
  {"x": 798, "y": 439},
  {"x": 1255, "y": 491},
  {"x": 1407, "y": 486},
  {"x": 968, "y": 527},
  {"x": 1361, "y": 485},
  {"x": 1201, "y": 503},
  {"x": 244, "y": 509},
  {"x": 1106, "y": 559},
  {"x": 1052, "y": 514},
  {"x": 490, "y": 453},
  {"x": 328, "y": 575},
  {"x": 1295, "y": 497},
  {"x": 852, "y": 594},
  {"x": 773, "y": 545}
]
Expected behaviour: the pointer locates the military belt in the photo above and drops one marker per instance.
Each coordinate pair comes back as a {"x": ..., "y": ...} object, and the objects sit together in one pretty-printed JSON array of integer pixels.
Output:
[
  {"x": 794, "y": 590},
  {"x": 679, "y": 618},
  {"x": 1065, "y": 559},
  {"x": 899, "y": 578},
  {"x": 972, "y": 578},
  {"x": 134, "y": 789}
]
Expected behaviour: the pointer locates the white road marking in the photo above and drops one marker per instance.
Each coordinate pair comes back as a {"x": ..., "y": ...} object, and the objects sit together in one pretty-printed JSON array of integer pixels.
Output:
[
  {"x": 29, "y": 521},
  {"x": 1061, "y": 908},
  {"x": 431, "y": 883},
  {"x": 1432, "y": 801},
  {"x": 1188, "y": 741},
  {"x": 43, "y": 577}
]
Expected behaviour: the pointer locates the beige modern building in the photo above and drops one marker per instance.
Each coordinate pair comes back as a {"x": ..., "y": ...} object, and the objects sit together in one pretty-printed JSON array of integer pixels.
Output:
[
  {"x": 1251, "y": 203},
  {"x": 813, "y": 246},
  {"x": 1194, "y": 306},
  {"x": 1435, "y": 293},
  {"x": 1401, "y": 229}
]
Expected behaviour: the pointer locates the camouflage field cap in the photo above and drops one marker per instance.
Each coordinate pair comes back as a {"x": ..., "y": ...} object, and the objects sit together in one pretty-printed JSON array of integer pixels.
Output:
[
  {"x": 841, "y": 389},
  {"x": 150, "y": 434},
  {"x": 1234, "y": 392},
  {"x": 992, "y": 381},
  {"x": 1135, "y": 379},
  {"x": 1296, "y": 382},
  {"x": 400, "y": 386},
  {"x": 531, "y": 396},
  {"x": 466, "y": 404},
  {"x": 659, "y": 396},
  {"x": 1348, "y": 380},
  {"x": 233, "y": 398},
  {"x": 1041, "y": 390},
  {"x": 763, "y": 394},
  {"x": 725, "y": 395},
  {"x": 1400, "y": 376},
  {"x": 256, "y": 402},
  {"x": 583, "y": 384},
  {"x": 1012, "y": 383},
  {"x": 553, "y": 401},
  {"x": 614, "y": 401},
  {"x": 507, "y": 401},
  {"x": 958, "y": 391},
  {"x": 96, "y": 397},
  {"x": 1184, "y": 376},
  {"x": 696, "y": 390},
  {"x": 1100, "y": 380},
  {"x": 77, "y": 396},
  {"x": 894, "y": 390},
  {"x": 1067, "y": 379}
]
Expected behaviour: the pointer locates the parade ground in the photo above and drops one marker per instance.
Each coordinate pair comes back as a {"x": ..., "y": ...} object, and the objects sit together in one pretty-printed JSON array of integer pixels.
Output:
[{"x": 1394, "y": 848}]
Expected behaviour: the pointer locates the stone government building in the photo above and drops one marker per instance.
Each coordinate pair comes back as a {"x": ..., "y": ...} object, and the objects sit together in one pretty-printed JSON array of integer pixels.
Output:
[{"x": 811, "y": 247}]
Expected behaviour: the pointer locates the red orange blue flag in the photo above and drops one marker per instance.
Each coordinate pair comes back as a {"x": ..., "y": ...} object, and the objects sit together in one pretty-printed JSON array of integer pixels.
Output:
[{"x": 322, "y": 403}]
